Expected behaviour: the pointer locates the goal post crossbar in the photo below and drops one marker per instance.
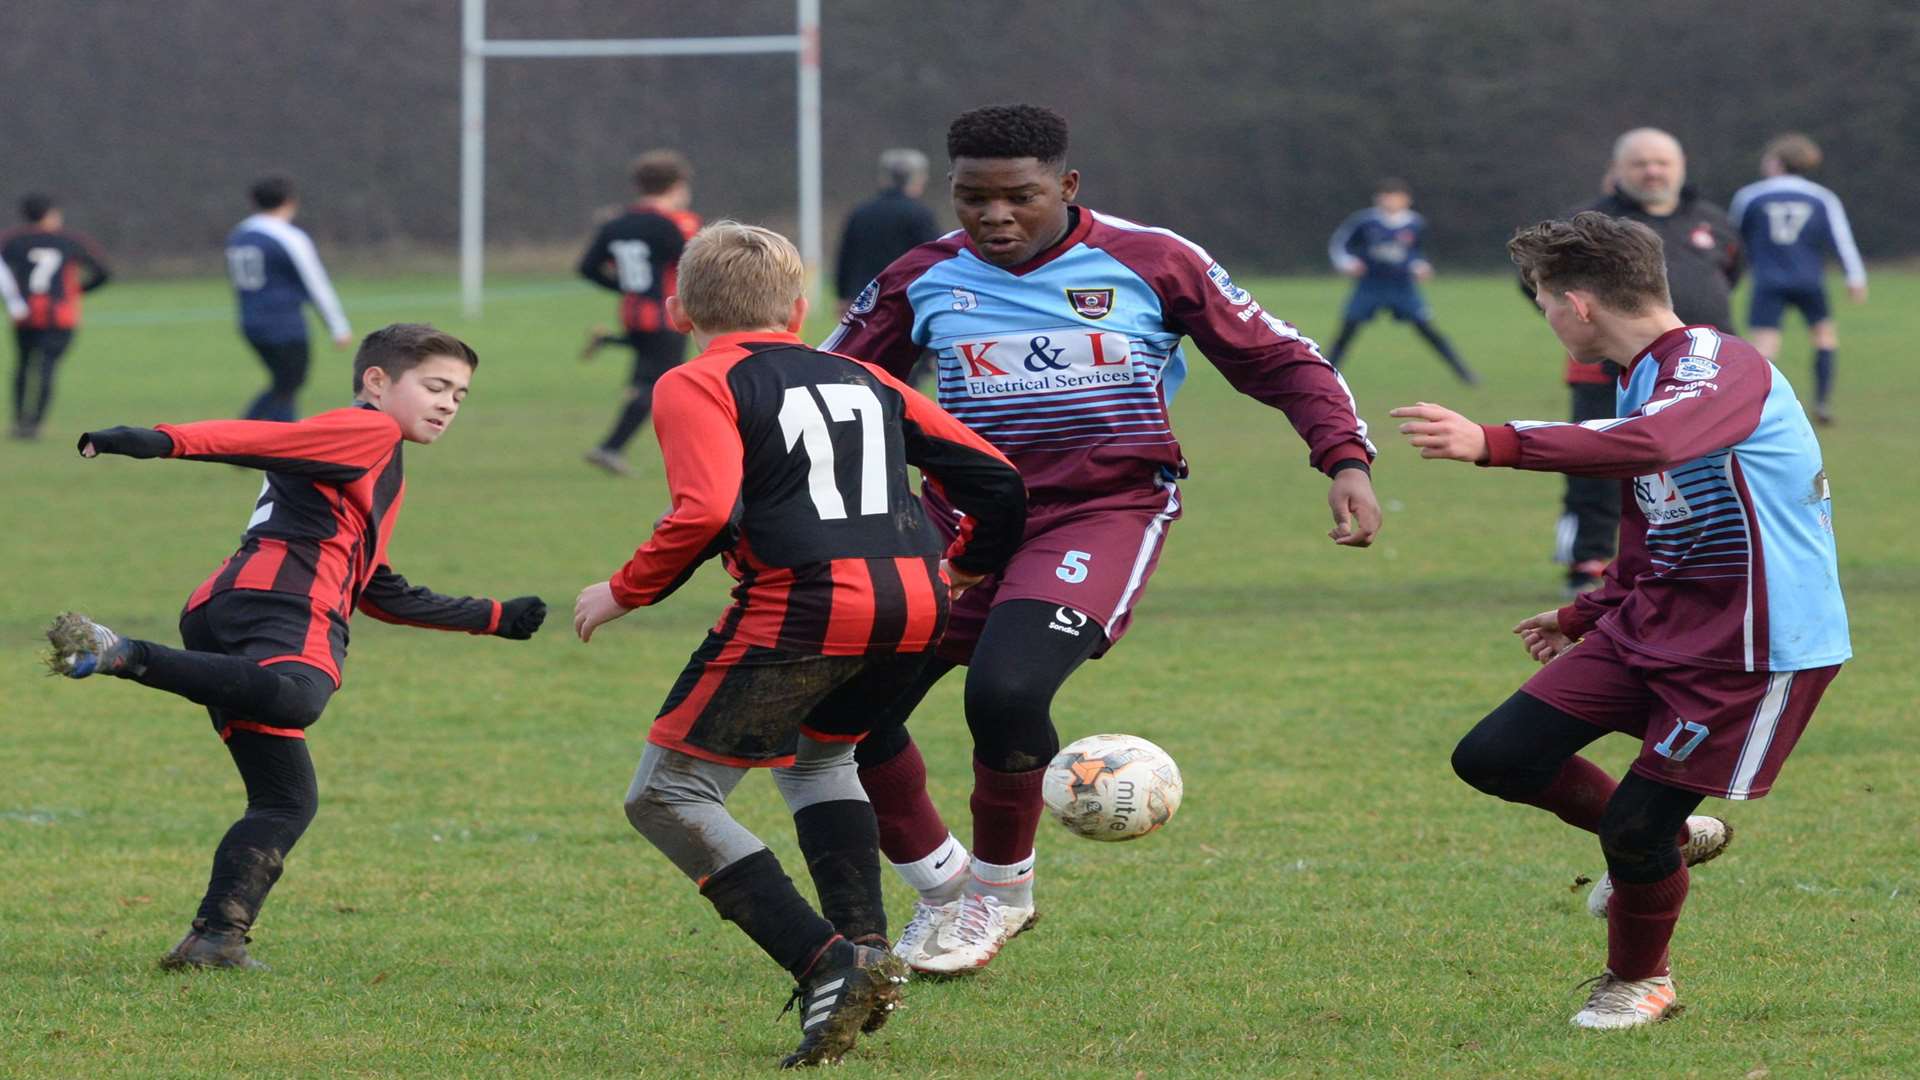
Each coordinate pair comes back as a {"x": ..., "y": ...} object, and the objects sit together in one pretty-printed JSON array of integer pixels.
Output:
[{"x": 477, "y": 49}]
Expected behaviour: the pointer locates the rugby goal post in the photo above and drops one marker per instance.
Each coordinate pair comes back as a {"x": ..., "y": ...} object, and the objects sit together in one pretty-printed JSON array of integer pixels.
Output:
[{"x": 477, "y": 49}]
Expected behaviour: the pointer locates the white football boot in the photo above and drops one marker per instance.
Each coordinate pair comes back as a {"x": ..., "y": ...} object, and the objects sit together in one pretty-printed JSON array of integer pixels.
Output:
[
  {"x": 1617, "y": 1003},
  {"x": 969, "y": 933},
  {"x": 1707, "y": 837},
  {"x": 912, "y": 944}
]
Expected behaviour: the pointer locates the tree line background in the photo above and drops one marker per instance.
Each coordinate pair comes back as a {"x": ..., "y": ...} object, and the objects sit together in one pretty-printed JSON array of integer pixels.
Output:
[{"x": 1252, "y": 128}]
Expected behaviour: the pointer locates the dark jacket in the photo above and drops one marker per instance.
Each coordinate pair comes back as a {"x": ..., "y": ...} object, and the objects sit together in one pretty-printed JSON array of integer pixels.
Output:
[{"x": 880, "y": 230}]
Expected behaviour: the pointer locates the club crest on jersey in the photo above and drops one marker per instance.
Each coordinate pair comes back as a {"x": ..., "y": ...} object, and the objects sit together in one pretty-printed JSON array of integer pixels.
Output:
[
  {"x": 1044, "y": 362},
  {"x": 868, "y": 297},
  {"x": 1695, "y": 369},
  {"x": 1702, "y": 237},
  {"x": 1091, "y": 303},
  {"x": 1235, "y": 294}
]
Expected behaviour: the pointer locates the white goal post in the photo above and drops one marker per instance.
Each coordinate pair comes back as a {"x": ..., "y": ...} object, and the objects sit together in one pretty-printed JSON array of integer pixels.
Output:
[{"x": 477, "y": 49}]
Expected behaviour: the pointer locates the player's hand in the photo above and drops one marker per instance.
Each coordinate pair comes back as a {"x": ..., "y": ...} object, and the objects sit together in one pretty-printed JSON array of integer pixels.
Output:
[
  {"x": 87, "y": 448},
  {"x": 594, "y": 606},
  {"x": 958, "y": 580},
  {"x": 341, "y": 341},
  {"x": 520, "y": 617},
  {"x": 1356, "y": 513},
  {"x": 1541, "y": 636},
  {"x": 1440, "y": 432},
  {"x": 1423, "y": 271},
  {"x": 1353, "y": 268},
  {"x": 1857, "y": 293}
]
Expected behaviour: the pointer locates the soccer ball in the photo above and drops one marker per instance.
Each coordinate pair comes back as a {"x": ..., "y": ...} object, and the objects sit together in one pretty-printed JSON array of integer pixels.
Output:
[{"x": 1112, "y": 787}]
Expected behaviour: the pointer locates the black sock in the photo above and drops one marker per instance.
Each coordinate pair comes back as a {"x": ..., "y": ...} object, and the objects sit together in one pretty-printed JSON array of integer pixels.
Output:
[
  {"x": 1445, "y": 348},
  {"x": 1822, "y": 376},
  {"x": 756, "y": 895},
  {"x": 282, "y": 797},
  {"x": 841, "y": 842},
  {"x": 292, "y": 698},
  {"x": 1340, "y": 343},
  {"x": 635, "y": 414}
]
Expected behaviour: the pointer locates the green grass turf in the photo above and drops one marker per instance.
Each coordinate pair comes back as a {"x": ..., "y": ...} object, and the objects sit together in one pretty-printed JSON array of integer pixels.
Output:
[{"x": 1330, "y": 900}]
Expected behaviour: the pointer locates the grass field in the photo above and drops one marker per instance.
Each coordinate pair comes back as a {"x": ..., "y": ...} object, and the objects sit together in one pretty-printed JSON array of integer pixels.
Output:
[{"x": 1331, "y": 900}]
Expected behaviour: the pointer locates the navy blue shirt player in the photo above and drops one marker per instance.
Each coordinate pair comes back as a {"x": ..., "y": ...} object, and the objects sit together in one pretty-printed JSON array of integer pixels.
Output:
[
  {"x": 1379, "y": 248},
  {"x": 275, "y": 272},
  {"x": 1790, "y": 225}
]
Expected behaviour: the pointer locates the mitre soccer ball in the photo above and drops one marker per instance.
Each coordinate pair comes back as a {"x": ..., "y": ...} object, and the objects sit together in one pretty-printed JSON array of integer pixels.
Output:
[{"x": 1112, "y": 787}]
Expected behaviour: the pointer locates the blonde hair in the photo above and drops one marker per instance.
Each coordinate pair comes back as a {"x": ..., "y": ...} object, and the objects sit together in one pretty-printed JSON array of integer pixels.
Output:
[
  {"x": 1795, "y": 152},
  {"x": 739, "y": 277}
]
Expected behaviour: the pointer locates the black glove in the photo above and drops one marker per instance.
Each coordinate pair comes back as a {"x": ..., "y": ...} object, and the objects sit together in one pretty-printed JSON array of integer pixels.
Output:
[
  {"x": 520, "y": 617},
  {"x": 134, "y": 442}
]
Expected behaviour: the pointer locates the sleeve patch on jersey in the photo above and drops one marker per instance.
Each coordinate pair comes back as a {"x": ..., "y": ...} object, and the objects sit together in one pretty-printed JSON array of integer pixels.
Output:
[
  {"x": 1235, "y": 294},
  {"x": 868, "y": 297},
  {"x": 1695, "y": 369}
]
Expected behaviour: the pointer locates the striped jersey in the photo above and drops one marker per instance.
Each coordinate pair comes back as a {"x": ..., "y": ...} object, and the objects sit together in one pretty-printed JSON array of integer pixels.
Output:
[
  {"x": 46, "y": 271},
  {"x": 275, "y": 270},
  {"x": 320, "y": 527},
  {"x": 1729, "y": 561},
  {"x": 1790, "y": 224},
  {"x": 792, "y": 464},
  {"x": 1387, "y": 245},
  {"x": 1068, "y": 362}
]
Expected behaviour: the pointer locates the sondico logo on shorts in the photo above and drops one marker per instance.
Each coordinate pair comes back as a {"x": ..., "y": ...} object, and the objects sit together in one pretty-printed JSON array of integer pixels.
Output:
[
  {"x": 1660, "y": 499},
  {"x": 1044, "y": 362}
]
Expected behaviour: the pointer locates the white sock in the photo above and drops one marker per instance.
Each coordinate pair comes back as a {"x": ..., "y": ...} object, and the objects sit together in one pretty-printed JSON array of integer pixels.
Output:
[
  {"x": 1010, "y": 884},
  {"x": 940, "y": 874}
]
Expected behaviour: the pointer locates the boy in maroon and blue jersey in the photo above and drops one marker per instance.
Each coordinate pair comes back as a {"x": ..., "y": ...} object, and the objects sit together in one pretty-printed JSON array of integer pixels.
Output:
[
  {"x": 1716, "y": 629},
  {"x": 47, "y": 266},
  {"x": 1056, "y": 333},
  {"x": 266, "y": 633}
]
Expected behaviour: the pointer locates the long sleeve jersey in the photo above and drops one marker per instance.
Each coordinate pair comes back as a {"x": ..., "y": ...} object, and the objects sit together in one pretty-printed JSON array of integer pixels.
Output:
[
  {"x": 275, "y": 269},
  {"x": 333, "y": 491},
  {"x": 792, "y": 463},
  {"x": 1790, "y": 224},
  {"x": 50, "y": 270},
  {"x": 1386, "y": 245},
  {"x": 1727, "y": 553},
  {"x": 1068, "y": 362}
]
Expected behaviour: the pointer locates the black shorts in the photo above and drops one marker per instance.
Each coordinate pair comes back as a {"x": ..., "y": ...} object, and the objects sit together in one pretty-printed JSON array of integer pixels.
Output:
[
  {"x": 271, "y": 629},
  {"x": 654, "y": 354},
  {"x": 744, "y": 705}
]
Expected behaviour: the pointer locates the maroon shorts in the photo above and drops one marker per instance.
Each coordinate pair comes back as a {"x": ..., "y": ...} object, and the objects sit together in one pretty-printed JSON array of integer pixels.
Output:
[
  {"x": 1093, "y": 556},
  {"x": 1717, "y": 732}
]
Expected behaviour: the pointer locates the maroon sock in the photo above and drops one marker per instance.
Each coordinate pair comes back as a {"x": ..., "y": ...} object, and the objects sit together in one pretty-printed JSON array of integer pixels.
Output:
[
  {"x": 1578, "y": 794},
  {"x": 1640, "y": 922},
  {"x": 1006, "y": 813},
  {"x": 910, "y": 827}
]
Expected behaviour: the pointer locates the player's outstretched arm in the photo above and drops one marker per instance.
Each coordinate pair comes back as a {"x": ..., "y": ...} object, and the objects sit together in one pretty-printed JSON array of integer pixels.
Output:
[
  {"x": 389, "y": 598},
  {"x": 337, "y": 447},
  {"x": 697, "y": 424}
]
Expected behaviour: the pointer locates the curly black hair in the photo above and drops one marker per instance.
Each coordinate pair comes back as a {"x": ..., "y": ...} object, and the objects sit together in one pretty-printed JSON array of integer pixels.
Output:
[{"x": 1009, "y": 131}]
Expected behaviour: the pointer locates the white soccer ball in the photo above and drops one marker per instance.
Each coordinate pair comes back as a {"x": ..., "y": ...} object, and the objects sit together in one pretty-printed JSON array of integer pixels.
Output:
[{"x": 1112, "y": 787}]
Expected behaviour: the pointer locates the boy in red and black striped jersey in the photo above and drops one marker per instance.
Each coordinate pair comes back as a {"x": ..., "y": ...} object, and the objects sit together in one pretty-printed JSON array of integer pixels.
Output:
[
  {"x": 636, "y": 255},
  {"x": 50, "y": 266},
  {"x": 792, "y": 464},
  {"x": 266, "y": 634}
]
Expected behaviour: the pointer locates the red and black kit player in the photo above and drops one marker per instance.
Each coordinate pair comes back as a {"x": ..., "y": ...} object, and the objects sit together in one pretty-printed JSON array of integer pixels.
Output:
[
  {"x": 51, "y": 266},
  {"x": 636, "y": 255},
  {"x": 792, "y": 464},
  {"x": 266, "y": 634}
]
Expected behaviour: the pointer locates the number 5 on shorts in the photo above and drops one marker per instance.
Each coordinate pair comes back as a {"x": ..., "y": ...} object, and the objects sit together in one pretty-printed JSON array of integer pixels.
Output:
[{"x": 1073, "y": 567}]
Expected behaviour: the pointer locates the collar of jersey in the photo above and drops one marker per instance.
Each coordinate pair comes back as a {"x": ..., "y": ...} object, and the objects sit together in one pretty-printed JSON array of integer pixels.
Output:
[
  {"x": 1658, "y": 344},
  {"x": 1076, "y": 232},
  {"x": 737, "y": 338}
]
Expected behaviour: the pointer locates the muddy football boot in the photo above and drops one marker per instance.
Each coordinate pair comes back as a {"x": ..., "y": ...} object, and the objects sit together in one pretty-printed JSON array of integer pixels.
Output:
[{"x": 838, "y": 1003}]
